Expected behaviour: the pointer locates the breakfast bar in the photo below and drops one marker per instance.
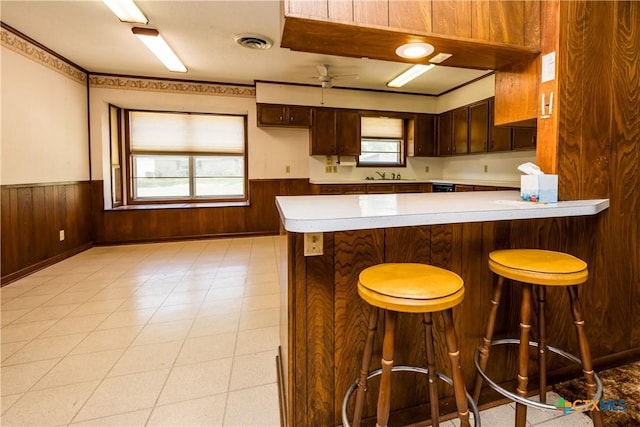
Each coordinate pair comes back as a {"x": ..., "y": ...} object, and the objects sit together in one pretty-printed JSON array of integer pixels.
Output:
[{"x": 323, "y": 321}]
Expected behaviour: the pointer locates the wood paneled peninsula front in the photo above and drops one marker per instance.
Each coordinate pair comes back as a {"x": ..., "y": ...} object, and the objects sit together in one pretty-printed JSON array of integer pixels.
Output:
[{"x": 324, "y": 322}]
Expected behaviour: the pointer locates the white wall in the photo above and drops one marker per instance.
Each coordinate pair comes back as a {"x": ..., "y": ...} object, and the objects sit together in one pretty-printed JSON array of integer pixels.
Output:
[
  {"x": 44, "y": 134},
  {"x": 476, "y": 91},
  {"x": 270, "y": 150},
  {"x": 344, "y": 98}
]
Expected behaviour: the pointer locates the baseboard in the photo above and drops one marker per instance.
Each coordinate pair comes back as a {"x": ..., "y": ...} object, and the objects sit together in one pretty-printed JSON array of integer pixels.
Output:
[
  {"x": 12, "y": 277},
  {"x": 282, "y": 397},
  {"x": 185, "y": 238}
]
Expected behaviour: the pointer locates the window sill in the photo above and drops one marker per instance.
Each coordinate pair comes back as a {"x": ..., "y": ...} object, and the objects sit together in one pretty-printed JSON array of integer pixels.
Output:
[{"x": 187, "y": 205}]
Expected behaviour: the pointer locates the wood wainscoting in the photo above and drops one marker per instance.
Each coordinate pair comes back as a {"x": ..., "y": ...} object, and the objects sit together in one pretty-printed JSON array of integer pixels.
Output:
[
  {"x": 146, "y": 225},
  {"x": 33, "y": 216}
]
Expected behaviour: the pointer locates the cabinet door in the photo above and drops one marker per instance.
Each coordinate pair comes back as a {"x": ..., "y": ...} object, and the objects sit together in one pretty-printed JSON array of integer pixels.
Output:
[
  {"x": 460, "y": 144},
  {"x": 478, "y": 127},
  {"x": 445, "y": 133},
  {"x": 271, "y": 115},
  {"x": 323, "y": 133},
  {"x": 499, "y": 137},
  {"x": 348, "y": 136},
  {"x": 425, "y": 135},
  {"x": 460, "y": 187},
  {"x": 379, "y": 188},
  {"x": 407, "y": 188},
  {"x": 298, "y": 116},
  {"x": 524, "y": 138}
]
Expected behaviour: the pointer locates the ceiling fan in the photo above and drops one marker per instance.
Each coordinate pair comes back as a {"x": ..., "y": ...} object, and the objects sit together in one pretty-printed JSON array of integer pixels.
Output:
[{"x": 326, "y": 79}]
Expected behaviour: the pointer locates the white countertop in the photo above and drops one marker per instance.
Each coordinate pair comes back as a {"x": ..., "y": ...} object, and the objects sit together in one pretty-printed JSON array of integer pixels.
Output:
[{"x": 308, "y": 214}]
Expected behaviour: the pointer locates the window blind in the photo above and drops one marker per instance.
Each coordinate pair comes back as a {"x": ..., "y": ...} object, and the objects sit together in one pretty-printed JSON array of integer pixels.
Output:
[
  {"x": 175, "y": 132},
  {"x": 381, "y": 127}
]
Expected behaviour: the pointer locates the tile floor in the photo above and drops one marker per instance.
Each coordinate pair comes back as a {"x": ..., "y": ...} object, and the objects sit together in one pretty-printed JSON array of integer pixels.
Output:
[{"x": 167, "y": 334}]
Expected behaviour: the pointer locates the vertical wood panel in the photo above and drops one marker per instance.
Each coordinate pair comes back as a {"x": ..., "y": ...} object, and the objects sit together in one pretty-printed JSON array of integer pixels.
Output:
[
  {"x": 596, "y": 102},
  {"x": 33, "y": 215},
  {"x": 452, "y": 18},
  {"x": 624, "y": 234},
  {"x": 569, "y": 108},
  {"x": 298, "y": 409},
  {"x": 320, "y": 335},
  {"x": 480, "y": 17},
  {"x": 410, "y": 15},
  {"x": 371, "y": 12},
  {"x": 532, "y": 23},
  {"x": 341, "y": 11},
  {"x": 307, "y": 8},
  {"x": 506, "y": 21},
  {"x": 354, "y": 251}
]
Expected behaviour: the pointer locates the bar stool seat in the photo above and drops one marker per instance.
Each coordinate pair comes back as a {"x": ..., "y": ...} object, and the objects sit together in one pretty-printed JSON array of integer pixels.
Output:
[
  {"x": 539, "y": 269},
  {"x": 410, "y": 288}
]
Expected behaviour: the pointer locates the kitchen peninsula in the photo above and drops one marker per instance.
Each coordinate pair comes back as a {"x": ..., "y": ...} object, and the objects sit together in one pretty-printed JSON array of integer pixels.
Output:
[{"x": 323, "y": 321}]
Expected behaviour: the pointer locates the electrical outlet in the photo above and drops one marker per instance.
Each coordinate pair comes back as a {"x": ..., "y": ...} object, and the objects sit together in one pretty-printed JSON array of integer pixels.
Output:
[
  {"x": 313, "y": 244},
  {"x": 61, "y": 235},
  {"x": 328, "y": 161},
  {"x": 335, "y": 169},
  {"x": 287, "y": 169},
  {"x": 327, "y": 169},
  {"x": 486, "y": 168},
  {"x": 426, "y": 169}
]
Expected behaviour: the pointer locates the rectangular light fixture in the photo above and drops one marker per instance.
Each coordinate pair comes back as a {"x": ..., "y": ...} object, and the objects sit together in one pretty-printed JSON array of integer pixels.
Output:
[
  {"x": 126, "y": 11},
  {"x": 156, "y": 44},
  {"x": 409, "y": 75}
]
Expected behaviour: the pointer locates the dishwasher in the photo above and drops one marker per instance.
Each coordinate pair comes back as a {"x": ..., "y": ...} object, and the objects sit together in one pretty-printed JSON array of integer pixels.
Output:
[{"x": 443, "y": 188}]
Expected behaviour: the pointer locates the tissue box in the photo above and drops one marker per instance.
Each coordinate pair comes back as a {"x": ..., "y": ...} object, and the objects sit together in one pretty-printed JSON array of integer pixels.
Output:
[{"x": 539, "y": 188}]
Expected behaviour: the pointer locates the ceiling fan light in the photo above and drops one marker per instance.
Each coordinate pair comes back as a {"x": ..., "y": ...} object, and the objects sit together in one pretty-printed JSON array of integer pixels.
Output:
[
  {"x": 126, "y": 11},
  {"x": 415, "y": 50},
  {"x": 156, "y": 44},
  {"x": 409, "y": 75}
]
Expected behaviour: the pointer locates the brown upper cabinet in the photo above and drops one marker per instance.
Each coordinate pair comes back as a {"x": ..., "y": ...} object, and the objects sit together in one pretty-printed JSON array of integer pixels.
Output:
[
  {"x": 335, "y": 132},
  {"x": 478, "y": 126},
  {"x": 322, "y": 138},
  {"x": 445, "y": 133},
  {"x": 460, "y": 141},
  {"x": 479, "y": 34},
  {"x": 284, "y": 115},
  {"x": 424, "y": 135},
  {"x": 499, "y": 136},
  {"x": 524, "y": 138}
]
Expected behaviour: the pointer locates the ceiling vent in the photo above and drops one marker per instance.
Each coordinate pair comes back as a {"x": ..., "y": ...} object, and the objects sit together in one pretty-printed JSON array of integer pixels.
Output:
[{"x": 253, "y": 41}]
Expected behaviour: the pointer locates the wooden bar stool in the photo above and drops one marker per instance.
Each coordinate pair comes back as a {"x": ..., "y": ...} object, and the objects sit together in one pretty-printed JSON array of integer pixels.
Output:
[
  {"x": 536, "y": 268},
  {"x": 409, "y": 288}
]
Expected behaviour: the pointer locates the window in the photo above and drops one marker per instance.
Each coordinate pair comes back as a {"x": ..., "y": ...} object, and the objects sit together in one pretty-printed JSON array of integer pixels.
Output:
[
  {"x": 186, "y": 156},
  {"x": 382, "y": 141}
]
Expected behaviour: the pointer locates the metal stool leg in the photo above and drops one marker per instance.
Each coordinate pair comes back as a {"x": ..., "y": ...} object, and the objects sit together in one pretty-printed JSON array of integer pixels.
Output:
[
  {"x": 366, "y": 362},
  {"x": 488, "y": 335},
  {"x": 431, "y": 365},
  {"x": 542, "y": 343},
  {"x": 523, "y": 354},
  {"x": 456, "y": 371},
  {"x": 384, "y": 396},
  {"x": 585, "y": 353}
]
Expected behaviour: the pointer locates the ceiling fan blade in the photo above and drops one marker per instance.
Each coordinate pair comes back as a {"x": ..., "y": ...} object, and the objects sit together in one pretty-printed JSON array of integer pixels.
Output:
[
  {"x": 323, "y": 70},
  {"x": 346, "y": 76}
]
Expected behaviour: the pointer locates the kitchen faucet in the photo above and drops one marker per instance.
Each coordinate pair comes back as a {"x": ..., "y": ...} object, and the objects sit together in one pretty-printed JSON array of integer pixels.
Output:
[{"x": 381, "y": 174}]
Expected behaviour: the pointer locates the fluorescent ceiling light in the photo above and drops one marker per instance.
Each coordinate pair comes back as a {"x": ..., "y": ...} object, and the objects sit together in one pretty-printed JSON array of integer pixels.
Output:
[
  {"x": 126, "y": 11},
  {"x": 409, "y": 75},
  {"x": 156, "y": 44},
  {"x": 415, "y": 50}
]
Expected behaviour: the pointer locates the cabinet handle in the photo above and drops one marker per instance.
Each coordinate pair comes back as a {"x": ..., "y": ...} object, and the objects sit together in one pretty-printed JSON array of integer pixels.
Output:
[
  {"x": 291, "y": 118},
  {"x": 492, "y": 145},
  {"x": 280, "y": 118}
]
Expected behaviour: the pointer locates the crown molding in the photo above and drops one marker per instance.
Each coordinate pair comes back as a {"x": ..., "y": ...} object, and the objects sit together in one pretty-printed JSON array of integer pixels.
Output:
[
  {"x": 170, "y": 86},
  {"x": 37, "y": 53}
]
